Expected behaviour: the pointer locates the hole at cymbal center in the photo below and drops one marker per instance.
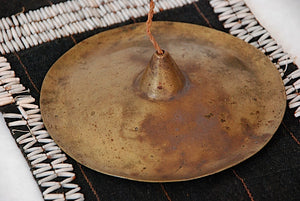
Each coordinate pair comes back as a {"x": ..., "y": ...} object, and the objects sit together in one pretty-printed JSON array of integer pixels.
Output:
[{"x": 160, "y": 54}]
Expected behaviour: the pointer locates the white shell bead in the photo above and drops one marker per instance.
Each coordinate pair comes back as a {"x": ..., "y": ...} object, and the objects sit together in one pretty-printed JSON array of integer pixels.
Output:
[
  {"x": 5, "y": 24},
  {"x": 49, "y": 178}
]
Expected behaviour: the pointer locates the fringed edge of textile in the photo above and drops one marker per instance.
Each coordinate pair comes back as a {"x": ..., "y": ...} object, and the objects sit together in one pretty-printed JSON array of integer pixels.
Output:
[
  {"x": 46, "y": 160},
  {"x": 241, "y": 22}
]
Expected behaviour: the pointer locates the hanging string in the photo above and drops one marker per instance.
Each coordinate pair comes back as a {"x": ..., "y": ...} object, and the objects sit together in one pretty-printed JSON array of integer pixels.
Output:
[{"x": 148, "y": 24}]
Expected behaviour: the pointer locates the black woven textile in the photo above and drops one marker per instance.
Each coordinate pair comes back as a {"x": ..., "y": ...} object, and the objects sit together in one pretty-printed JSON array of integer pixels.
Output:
[{"x": 271, "y": 174}]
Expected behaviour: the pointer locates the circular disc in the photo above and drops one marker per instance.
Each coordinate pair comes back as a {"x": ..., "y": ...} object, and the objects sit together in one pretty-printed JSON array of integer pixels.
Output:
[{"x": 234, "y": 105}]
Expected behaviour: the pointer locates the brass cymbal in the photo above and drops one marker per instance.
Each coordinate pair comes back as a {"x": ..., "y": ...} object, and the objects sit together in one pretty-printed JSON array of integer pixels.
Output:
[{"x": 231, "y": 104}]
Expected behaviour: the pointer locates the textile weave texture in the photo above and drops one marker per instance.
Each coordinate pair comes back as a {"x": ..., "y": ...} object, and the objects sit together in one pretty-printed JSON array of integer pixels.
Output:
[{"x": 271, "y": 174}]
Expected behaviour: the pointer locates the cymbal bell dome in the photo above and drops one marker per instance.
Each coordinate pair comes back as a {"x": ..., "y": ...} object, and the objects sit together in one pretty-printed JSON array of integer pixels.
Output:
[{"x": 161, "y": 79}]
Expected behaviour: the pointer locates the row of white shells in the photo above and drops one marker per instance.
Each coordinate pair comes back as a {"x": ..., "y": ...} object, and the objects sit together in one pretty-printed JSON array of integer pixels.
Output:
[
  {"x": 25, "y": 30},
  {"x": 241, "y": 23},
  {"x": 45, "y": 157}
]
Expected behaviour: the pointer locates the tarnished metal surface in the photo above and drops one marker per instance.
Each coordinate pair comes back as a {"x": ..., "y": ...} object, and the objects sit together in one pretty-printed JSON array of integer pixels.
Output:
[{"x": 234, "y": 104}]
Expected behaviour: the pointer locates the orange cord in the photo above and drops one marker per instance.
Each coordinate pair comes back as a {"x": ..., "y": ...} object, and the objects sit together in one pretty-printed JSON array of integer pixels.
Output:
[{"x": 148, "y": 24}]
